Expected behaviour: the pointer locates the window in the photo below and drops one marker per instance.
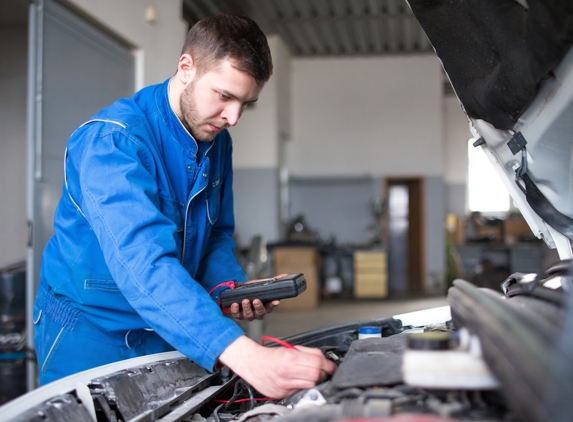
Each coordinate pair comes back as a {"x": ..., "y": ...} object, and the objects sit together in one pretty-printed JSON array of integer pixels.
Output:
[{"x": 486, "y": 192}]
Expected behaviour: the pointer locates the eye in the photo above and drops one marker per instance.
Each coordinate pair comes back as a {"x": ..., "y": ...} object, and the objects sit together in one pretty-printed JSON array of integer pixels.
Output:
[{"x": 224, "y": 97}]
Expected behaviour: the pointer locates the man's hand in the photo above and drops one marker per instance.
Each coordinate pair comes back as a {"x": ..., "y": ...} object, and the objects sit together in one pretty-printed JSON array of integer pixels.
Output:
[
  {"x": 256, "y": 310},
  {"x": 277, "y": 371}
]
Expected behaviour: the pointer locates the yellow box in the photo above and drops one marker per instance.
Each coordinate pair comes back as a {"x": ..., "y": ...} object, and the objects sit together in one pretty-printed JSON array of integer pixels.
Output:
[
  {"x": 369, "y": 256},
  {"x": 370, "y": 290},
  {"x": 370, "y": 274},
  {"x": 379, "y": 267},
  {"x": 369, "y": 278}
]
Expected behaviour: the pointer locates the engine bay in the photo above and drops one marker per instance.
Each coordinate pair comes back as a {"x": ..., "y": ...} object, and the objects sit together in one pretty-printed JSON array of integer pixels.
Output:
[{"x": 492, "y": 357}]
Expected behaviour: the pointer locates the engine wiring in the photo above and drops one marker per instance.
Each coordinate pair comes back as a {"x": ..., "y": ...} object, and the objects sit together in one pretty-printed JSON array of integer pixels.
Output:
[
  {"x": 240, "y": 388},
  {"x": 358, "y": 401},
  {"x": 246, "y": 400}
]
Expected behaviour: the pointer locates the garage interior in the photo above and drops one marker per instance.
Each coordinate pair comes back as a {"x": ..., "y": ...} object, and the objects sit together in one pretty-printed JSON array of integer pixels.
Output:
[{"x": 354, "y": 167}]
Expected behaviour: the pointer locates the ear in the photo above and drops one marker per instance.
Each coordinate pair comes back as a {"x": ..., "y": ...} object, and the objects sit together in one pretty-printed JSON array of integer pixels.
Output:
[{"x": 186, "y": 69}]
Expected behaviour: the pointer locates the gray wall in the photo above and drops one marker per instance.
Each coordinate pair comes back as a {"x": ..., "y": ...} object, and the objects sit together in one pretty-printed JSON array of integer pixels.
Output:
[
  {"x": 13, "y": 70},
  {"x": 256, "y": 204},
  {"x": 456, "y": 198},
  {"x": 335, "y": 206}
]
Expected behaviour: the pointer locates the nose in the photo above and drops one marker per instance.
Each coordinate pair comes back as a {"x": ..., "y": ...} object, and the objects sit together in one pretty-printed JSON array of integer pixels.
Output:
[{"x": 231, "y": 114}]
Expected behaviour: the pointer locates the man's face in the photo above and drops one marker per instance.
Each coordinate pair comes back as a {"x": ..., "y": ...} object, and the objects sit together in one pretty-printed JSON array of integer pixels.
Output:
[{"x": 216, "y": 100}]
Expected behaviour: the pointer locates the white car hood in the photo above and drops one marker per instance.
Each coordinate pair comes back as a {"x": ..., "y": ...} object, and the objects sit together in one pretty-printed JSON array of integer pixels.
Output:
[
  {"x": 510, "y": 63},
  {"x": 547, "y": 127}
]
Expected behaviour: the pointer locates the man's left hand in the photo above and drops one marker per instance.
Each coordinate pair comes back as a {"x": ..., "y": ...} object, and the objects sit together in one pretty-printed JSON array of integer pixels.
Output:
[
  {"x": 255, "y": 310},
  {"x": 251, "y": 311}
]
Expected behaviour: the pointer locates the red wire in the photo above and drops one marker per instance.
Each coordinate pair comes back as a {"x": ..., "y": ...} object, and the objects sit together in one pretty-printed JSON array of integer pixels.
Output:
[
  {"x": 277, "y": 341},
  {"x": 231, "y": 284}
]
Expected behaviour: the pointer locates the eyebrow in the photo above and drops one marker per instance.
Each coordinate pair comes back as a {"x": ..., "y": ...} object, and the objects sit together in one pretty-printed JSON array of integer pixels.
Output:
[{"x": 228, "y": 94}]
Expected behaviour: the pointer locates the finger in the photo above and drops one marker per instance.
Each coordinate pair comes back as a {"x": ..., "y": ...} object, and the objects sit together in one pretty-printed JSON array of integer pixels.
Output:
[
  {"x": 324, "y": 375},
  {"x": 330, "y": 367},
  {"x": 247, "y": 311},
  {"x": 269, "y": 306},
  {"x": 311, "y": 373},
  {"x": 265, "y": 279},
  {"x": 257, "y": 280},
  {"x": 310, "y": 350},
  {"x": 259, "y": 309},
  {"x": 324, "y": 364},
  {"x": 236, "y": 311}
]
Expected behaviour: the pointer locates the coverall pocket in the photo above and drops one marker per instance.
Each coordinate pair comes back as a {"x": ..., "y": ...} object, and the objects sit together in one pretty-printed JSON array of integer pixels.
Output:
[
  {"x": 46, "y": 337},
  {"x": 53, "y": 344},
  {"x": 213, "y": 204},
  {"x": 38, "y": 332},
  {"x": 100, "y": 284}
]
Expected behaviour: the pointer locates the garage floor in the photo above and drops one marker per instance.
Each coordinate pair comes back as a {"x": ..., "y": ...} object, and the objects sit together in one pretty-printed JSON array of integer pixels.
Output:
[{"x": 285, "y": 323}]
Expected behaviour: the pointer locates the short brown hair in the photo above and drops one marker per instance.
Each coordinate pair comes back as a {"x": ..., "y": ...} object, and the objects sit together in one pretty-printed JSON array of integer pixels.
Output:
[{"x": 230, "y": 36}]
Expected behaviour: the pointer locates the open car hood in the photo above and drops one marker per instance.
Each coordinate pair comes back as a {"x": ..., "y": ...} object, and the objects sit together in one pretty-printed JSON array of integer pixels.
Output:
[{"x": 510, "y": 63}]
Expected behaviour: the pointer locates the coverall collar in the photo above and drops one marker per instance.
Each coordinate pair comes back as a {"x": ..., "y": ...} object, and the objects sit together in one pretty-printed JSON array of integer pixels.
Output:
[{"x": 180, "y": 134}]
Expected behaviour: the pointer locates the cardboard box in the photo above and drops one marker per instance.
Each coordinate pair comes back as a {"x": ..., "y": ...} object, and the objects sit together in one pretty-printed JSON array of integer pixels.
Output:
[
  {"x": 304, "y": 260},
  {"x": 370, "y": 275},
  {"x": 459, "y": 232},
  {"x": 492, "y": 233},
  {"x": 515, "y": 229},
  {"x": 375, "y": 290}
]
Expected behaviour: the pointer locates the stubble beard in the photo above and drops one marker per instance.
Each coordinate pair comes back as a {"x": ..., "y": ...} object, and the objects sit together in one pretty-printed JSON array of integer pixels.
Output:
[{"x": 191, "y": 118}]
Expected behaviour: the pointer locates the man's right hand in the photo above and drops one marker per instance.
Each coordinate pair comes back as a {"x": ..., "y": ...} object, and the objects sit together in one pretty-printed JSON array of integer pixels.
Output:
[{"x": 277, "y": 371}]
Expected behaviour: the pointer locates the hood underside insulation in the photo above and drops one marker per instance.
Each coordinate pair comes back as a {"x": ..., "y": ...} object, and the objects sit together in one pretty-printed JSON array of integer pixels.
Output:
[{"x": 497, "y": 52}]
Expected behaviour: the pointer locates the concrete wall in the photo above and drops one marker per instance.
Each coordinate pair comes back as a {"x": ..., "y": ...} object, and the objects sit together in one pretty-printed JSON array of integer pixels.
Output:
[
  {"x": 13, "y": 227},
  {"x": 157, "y": 45},
  {"x": 356, "y": 116}
]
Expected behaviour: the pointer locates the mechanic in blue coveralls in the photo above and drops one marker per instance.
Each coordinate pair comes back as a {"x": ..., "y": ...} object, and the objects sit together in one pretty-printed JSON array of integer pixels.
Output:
[{"x": 143, "y": 228}]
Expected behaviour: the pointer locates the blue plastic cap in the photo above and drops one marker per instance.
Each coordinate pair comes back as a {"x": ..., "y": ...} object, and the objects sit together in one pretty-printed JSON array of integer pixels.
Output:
[{"x": 369, "y": 330}]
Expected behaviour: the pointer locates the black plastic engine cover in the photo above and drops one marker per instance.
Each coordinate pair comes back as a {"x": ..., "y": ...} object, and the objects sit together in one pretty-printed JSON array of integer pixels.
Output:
[{"x": 372, "y": 361}]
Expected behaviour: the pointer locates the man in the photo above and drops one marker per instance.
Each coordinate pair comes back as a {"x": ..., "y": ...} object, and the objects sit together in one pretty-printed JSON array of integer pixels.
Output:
[{"x": 143, "y": 228}]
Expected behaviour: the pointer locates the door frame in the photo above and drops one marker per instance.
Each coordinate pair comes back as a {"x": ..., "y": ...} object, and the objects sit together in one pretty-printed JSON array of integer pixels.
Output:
[
  {"x": 416, "y": 230},
  {"x": 43, "y": 15}
]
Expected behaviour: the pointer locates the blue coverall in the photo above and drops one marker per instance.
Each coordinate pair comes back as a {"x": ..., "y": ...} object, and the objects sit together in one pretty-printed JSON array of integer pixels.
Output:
[{"x": 142, "y": 233}]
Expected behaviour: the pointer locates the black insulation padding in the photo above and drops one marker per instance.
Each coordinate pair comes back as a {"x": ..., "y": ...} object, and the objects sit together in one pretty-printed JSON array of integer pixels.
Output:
[{"x": 497, "y": 52}]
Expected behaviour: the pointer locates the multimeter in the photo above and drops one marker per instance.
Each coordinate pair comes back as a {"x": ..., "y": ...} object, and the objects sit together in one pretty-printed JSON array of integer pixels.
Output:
[{"x": 266, "y": 291}]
